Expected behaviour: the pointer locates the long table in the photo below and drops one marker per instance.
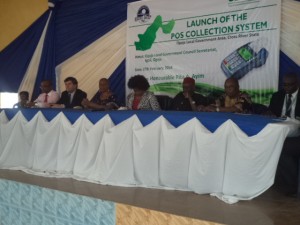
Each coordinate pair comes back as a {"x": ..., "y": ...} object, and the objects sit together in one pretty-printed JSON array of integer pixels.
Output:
[{"x": 231, "y": 156}]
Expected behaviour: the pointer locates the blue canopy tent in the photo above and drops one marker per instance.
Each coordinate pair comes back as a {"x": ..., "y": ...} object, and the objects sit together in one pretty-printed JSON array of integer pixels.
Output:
[{"x": 72, "y": 25}]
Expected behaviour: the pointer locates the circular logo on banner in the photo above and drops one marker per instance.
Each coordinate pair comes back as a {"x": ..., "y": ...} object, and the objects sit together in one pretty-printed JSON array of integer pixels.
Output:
[{"x": 143, "y": 14}]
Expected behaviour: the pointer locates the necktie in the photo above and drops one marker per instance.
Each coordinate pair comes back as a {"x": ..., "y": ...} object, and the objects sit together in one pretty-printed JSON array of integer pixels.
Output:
[
  {"x": 46, "y": 98},
  {"x": 70, "y": 100},
  {"x": 288, "y": 106}
]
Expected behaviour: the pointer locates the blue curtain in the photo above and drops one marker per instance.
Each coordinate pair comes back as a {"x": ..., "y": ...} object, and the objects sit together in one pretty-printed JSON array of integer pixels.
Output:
[
  {"x": 75, "y": 25},
  {"x": 81, "y": 22},
  {"x": 15, "y": 58},
  {"x": 286, "y": 65},
  {"x": 117, "y": 83}
]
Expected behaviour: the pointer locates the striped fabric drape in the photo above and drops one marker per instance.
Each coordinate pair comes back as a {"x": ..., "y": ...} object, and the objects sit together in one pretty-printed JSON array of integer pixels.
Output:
[
  {"x": 29, "y": 78},
  {"x": 290, "y": 29},
  {"x": 99, "y": 60}
]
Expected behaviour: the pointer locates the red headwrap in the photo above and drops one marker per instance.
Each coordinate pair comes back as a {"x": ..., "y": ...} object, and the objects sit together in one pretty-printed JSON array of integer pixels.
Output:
[{"x": 189, "y": 80}]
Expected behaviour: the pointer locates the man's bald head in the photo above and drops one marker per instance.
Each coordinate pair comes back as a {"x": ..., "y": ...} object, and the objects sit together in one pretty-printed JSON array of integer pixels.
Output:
[
  {"x": 290, "y": 83},
  {"x": 46, "y": 86},
  {"x": 103, "y": 85}
]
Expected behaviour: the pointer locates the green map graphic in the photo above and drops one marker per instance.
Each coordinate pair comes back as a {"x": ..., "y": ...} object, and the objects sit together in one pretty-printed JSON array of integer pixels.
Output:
[{"x": 148, "y": 38}]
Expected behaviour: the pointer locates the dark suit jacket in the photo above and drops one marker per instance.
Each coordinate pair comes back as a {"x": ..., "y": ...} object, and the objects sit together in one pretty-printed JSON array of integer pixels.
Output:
[
  {"x": 181, "y": 103},
  {"x": 277, "y": 101},
  {"x": 76, "y": 101}
]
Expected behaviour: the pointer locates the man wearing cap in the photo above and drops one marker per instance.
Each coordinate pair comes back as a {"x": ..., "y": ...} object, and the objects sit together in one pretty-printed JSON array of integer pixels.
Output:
[{"x": 188, "y": 100}]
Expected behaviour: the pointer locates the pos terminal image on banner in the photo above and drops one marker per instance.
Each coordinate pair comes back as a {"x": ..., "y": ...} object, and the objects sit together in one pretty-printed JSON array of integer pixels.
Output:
[{"x": 244, "y": 59}]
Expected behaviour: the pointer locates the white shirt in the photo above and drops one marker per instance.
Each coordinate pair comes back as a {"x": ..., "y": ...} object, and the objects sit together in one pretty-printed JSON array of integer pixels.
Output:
[
  {"x": 53, "y": 97},
  {"x": 294, "y": 101},
  {"x": 72, "y": 96}
]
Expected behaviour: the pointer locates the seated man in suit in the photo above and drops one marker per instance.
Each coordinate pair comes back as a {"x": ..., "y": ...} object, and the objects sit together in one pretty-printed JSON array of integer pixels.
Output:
[
  {"x": 286, "y": 102},
  {"x": 233, "y": 100},
  {"x": 72, "y": 96},
  {"x": 188, "y": 100}
]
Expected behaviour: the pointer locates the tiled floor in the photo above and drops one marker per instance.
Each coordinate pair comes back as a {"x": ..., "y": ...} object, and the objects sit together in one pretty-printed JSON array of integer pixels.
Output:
[{"x": 270, "y": 208}]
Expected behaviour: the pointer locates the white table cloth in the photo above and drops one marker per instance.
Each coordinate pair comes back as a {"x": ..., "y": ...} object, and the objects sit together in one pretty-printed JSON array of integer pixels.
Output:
[{"x": 226, "y": 163}]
